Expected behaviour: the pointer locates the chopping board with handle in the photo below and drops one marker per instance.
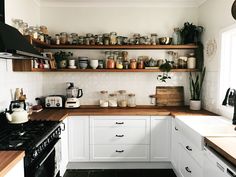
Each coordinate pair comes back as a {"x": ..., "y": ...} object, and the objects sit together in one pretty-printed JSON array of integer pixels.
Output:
[{"x": 169, "y": 96}]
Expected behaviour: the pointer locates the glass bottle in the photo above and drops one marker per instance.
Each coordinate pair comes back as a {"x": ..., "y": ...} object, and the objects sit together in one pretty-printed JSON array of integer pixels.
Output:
[
  {"x": 122, "y": 99},
  {"x": 103, "y": 102},
  {"x": 112, "y": 100},
  {"x": 131, "y": 100},
  {"x": 176, "y": 37}
]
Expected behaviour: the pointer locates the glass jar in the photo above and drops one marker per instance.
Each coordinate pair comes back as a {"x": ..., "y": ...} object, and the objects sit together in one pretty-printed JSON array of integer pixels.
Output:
[
  {"x": 57, "y": 39},
  {"x": 110, "y": 63},
  {"x": 81, "y": 40},
  {"x": 140, "y": 64},
  {"x": 125, "y": 40},
  {"x": 125, "y": 55},
  {"x": 87, "y": 41},
  {"x": 119, "y": 63},
  {"x": 182, "y": 62},
  {"x": 122, "y": 99},
  {"x": 74, "y": 38},
  {"x": 131, "y": 100},
  {"x": 191, "y": 62},
  {"x": 154, "y": 39},
  {"x": 176, "y": 37},
  {"x": 120, "y": 40},
  {"x": 106, "y": 39},
  {"x": 41, "y": 37},
  {"x": 92, "y": 41},
  {"x": 113, "y": 38},
  {"x": 112, "y": 100},
  {"x": 63, "y": 38},
  {"x": 99, "y": 40},
  {"x": 103, "y": 102},
  {"x": 70, "y": 39},
  {"x": 125, "y": 65},
  {"x": 133, "y": 64},
  {"x": 35, "y": 32}
]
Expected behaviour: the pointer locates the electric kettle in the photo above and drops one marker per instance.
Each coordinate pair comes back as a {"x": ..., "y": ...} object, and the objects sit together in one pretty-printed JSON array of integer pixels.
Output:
[{"x": 17, "y": 113}]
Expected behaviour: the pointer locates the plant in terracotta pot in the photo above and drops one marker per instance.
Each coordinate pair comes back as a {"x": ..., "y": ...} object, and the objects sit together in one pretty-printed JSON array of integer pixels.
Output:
[
  {"x": 61, "y": 58},
  {"x": 196, "y": 82}
]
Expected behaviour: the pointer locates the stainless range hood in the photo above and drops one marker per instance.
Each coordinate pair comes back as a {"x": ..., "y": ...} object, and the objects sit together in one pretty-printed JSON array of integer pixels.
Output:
[{"x": 13, "y": 45}]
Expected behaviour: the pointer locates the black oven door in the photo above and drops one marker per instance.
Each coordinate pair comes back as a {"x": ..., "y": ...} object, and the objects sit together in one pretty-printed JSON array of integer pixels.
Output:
[{"x": 47, "y": 165}]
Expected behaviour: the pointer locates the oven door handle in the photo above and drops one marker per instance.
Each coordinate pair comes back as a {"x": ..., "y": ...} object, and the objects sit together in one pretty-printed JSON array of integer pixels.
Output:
[{"x": 45, "y": 158}]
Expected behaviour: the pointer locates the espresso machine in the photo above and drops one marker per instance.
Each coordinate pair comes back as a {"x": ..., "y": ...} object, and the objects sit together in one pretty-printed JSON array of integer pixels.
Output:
[{"x": 72, "y": 96}]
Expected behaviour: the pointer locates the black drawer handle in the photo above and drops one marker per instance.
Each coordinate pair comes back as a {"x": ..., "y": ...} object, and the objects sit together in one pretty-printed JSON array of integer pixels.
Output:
[
  {"x": 120, "y": 136},
  {"x": 188, "y": 170},
  {"x": 119, "y": 123},
  {"x": 176, "y": 129},
  {"x": 120, "y": 151},
  {"x": 189, "y": 148}
]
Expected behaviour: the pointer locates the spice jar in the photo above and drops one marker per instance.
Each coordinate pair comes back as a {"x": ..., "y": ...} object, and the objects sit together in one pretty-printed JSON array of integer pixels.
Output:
[
  {"x": 191, "y": 63},
  {"x": 154, "y": 39},
  {"x": 63, "y": 38},
  {"x": 119, "y": 63},
  {"x": 125, "y": 65},
  {"x": 103, "y": 102},
  {"x": 112, "y": 100},
  {"x": 119, "y": 40},
  {"x": 57, "y": 37},
  {"x": 113, "y": 38},
  {"x": 131, "y": 100},
  {"x": 182, "y": 62},
  {"x": 110, "y": 63},
  {"x": 133, "y": 64},
  {"x": 122, "y": 100},
  {"x": 140, "y": 64},
  {"x": 106, "y": 39}
]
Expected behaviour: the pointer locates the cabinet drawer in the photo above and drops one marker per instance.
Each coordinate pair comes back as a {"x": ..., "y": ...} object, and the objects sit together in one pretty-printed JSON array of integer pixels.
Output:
[
  {"x": 119, "y": 153},
  {"x": 119, "y": 135},
  {"x": 188, "y": 167},
  {"x": 119, "y": 121}
]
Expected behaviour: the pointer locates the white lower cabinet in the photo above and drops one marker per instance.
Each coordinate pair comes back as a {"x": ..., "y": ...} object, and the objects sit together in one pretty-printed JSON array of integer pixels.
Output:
[
  {"x": 119, "y": 138},
  {"x": 160, "y": 138},
  {"x": 64, "y": 147},
  {"x": 175, "y": 147},
  {"x": 17, "y": 170},
  {"x": 78, "y": 138}
]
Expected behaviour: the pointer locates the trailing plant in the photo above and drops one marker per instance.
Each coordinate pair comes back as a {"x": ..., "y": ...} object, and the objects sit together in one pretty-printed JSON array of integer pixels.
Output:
[
  {"x": 191, "y": 33},
  {"x": 196, "y": 82},
  {"x": 165, "y": 68}
]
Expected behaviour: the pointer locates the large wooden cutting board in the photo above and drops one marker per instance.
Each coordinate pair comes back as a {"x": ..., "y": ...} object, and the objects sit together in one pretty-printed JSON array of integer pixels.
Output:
[{"x": 170, "y": 96}]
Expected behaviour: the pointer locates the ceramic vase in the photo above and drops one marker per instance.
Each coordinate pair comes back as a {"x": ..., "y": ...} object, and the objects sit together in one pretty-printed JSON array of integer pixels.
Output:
[{"x": 195, "y": 105}]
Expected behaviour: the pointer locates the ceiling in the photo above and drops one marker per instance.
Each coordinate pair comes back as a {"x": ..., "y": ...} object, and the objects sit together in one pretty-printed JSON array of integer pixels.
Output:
[{"x": 167, "y": 3}]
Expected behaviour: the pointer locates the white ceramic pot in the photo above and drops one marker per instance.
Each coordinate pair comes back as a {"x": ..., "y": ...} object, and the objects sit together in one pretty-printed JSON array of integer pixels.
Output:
[
  {"x": 195, "y": 105},
  {"x": 93, "y": 64}
]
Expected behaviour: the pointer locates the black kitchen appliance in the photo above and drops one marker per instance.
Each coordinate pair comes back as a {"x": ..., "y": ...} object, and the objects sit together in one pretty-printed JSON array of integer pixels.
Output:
[{"x": 41, "y": 142}]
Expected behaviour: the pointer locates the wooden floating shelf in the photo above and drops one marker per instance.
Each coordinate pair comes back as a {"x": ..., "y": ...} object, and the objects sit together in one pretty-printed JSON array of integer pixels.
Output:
[
  {"x": 43, "y": 45},
  {"x": 111, "y": 70}
]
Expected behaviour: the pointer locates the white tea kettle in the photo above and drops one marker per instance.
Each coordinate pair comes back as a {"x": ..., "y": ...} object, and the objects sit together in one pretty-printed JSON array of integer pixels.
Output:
[{"x": 17, "y": 114}]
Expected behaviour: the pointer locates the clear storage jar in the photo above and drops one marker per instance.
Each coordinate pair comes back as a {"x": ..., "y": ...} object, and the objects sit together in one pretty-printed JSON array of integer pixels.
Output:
[
  {"x": 131, "y": 100},
  {"x": 113, "y": 38},
  {"x": 63, "y": 38},
  {"x": 112, "y": 100},
  {"x": 122, "y": 99},
  {"x": 103, "y": 102}
]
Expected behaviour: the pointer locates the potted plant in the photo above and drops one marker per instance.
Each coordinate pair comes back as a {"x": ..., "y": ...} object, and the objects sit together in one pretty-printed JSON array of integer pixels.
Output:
[
  {"x": 165, "y": 68},
  {"x": 62, "y": 57},
  {"x": 196, "y": 82},
  {"x": 191, "y": 33}
]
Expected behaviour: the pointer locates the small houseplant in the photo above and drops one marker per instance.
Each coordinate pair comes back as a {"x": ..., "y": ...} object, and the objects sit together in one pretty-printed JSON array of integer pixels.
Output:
[
  {"x": 196, "y": 82},
  {"x": 165, "y": 68},
  {"x": 62, "y": 57}
]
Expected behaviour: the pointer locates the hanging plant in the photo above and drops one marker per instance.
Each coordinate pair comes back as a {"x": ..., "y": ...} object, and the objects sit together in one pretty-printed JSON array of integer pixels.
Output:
[{"x": 165, "y": 68}]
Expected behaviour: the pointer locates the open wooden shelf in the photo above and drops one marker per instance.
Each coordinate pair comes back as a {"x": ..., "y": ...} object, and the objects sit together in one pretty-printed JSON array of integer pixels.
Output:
[{"x": 111, "y": 70}]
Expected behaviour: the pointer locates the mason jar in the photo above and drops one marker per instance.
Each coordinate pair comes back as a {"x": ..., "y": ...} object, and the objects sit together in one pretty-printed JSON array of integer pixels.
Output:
[
  {"x": 63, "y": 38},
  {"x": 112, "y": 100},
  {"x": 131, "y": 100},
  {"x": 103, "y": 102},
  {"x": 113, "y": 38},
  {"x": 122, "y": 99}
]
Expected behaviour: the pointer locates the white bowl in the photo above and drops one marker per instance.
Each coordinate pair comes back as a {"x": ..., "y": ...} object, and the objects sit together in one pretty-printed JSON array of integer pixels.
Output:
[{"x": 93, "y": 64}]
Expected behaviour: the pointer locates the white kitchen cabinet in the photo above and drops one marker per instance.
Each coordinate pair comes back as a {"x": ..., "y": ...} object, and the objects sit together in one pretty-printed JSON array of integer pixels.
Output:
[
  {"x": 64, "y": 147},
  {"x": 160, "y": 138},
  {"x": 119, "y": 138},
  {"x": 78, "y": 138},
  {"x": 17, "y": 170}
]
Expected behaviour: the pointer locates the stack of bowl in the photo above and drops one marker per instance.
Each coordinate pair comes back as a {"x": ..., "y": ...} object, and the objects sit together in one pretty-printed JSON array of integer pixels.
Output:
[{"x": 83, "y": 62}]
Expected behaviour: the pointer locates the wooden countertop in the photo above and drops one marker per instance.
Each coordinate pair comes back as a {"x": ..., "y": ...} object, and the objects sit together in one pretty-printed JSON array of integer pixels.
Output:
[
  {"x": 61, "y": 114},
  {"x": 225, "y": 146},
  {"x": 9, "y": 159}
]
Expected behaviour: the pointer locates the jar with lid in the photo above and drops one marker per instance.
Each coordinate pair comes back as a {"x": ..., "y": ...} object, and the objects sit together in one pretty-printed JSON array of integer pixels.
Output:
[
  {"x": 113, "y": 38},
  {"x": 74, "y": 38},
  {"x": 35, "y": 32},
  {"x": 125, "y": 40},
  {"x": 191, "y": 62},
  {"x": 92, "y": 41},
  {"x": 99, "y": 39},
  {"x": 122, "y": 99},
  {"x": 119, "y": 40},
  {"x": 87, "y": 41},
  {"x": 133, "y": 64},
  {"x": 140, "y": 64},
  {"x": 119, "y": 63},
  {"x": 103, "y": 102},
  {"x": 131, "y": 100},
  {"x": 176, "y": 37},
  {"x": 125, "y": 55},
  {"x": 182, "y": 62},
  {"x": 70, "y": 39},
  {"x": 81, "y": 40},
  {"x": 41, "y": 36},
  {"x": 57, "y": 39},
  {"x": 154, "y": 39},
  {"x": 106, "y": 39},
  {"x": 63, "y": 38},
  {"x": 112, "y": 100},
  {"x": 110, "y": 63}
]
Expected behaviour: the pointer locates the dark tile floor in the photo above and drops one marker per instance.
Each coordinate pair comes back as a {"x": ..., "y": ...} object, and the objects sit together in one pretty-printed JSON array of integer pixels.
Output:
[{"x": 120, "y": 173}]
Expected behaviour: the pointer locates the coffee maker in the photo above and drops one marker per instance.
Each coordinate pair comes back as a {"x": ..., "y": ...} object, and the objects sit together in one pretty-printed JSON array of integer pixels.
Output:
[{"x": 73, "y": 94}]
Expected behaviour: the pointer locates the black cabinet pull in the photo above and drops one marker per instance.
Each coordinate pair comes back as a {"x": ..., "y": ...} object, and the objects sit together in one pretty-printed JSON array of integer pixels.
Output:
[
  {"x": 120, "y": 136},
  {"x": 119, "y": 151},
  {"x": 188, "y": 170},
  {"x": 189, "y": 148},
  {"x": 64, "y": 126},
  {"x": 119, "y": 123},
  {"x": 176, "y": 129}
]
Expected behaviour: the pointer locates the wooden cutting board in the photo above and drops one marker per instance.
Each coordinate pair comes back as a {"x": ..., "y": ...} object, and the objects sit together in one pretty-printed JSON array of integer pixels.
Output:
[{"x": 169, "y": 96}]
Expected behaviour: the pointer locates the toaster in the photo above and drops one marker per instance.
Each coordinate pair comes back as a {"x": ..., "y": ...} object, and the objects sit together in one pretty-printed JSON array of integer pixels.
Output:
[{"x": 54, "y": 101}]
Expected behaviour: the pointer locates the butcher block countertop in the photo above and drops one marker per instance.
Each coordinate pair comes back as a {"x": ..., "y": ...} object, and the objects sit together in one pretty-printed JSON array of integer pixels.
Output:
[
  {"x": 8, "y": 159},
  {"x": 225, "y": 146},
  {"x": 61, "y": 114}
]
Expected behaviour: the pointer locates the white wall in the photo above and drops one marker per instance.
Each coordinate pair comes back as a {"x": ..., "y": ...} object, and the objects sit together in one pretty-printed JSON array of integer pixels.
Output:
[
  {"x": 214, "y": 15},
  {"x": 30, "y": 82},
  {"x": 125, "y": 21}
]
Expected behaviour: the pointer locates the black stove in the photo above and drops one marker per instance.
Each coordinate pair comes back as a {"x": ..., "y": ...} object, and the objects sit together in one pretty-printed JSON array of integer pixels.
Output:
[{"x": 34, "y": 137}]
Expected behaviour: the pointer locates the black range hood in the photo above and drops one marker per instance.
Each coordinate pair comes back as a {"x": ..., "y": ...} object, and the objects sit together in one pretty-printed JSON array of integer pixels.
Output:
[{"x": 13, "y": 45}]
